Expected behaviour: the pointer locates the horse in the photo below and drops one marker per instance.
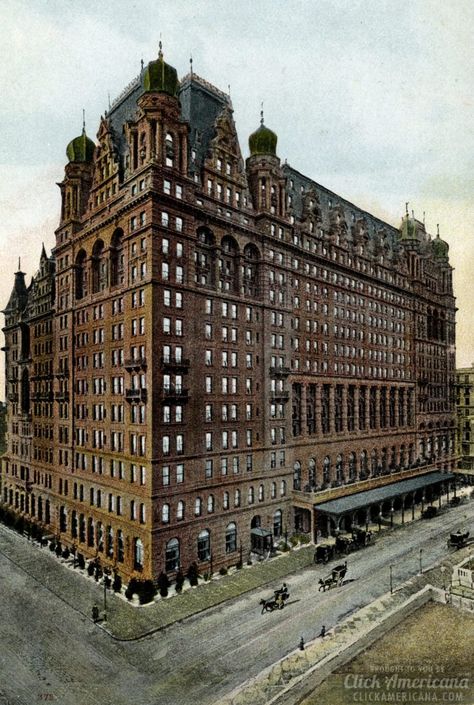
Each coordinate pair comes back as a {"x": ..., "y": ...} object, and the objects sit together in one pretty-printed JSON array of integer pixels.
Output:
[
  {"x": 326, "y": 583},
  {"x": 273, "y": 603}
]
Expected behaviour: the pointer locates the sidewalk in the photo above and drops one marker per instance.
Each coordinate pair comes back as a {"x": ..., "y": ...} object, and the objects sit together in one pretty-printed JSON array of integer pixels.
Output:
[{"x": 124, "y": 621}]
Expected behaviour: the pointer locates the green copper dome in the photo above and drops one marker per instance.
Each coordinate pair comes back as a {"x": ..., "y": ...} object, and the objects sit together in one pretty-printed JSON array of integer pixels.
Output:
[
  {"x": 160, "y": 77},
  {"x": 80, "y": 149},
  {"x": 263, "y": 141},
  {"x": 440, "y": 248}
]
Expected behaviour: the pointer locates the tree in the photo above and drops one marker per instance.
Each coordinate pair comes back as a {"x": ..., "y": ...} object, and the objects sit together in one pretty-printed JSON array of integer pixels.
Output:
[
  {"x": 193, "y": 574},
  {"x": 163, "y": 584},
  {"x": 179, "y": 581}
]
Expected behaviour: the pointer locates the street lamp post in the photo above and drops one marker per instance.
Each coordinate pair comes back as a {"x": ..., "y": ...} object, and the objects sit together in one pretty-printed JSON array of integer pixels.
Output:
[
  {"x": 391, "y": 579},
  {"x": 443, "y": 573},
  {"x": 105, "y": 593}
]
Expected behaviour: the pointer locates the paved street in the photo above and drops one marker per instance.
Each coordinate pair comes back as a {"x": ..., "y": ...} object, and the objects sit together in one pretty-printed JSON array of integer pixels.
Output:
[{"x": 50, "y": 652}]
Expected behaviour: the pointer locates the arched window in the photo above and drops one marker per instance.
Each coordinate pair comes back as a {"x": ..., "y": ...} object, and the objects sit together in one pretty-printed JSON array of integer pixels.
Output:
[
  {"x": 73, "y": 521},
  {"x": 100, "y": 536},
  {"x": 250, "y": 271},
  {"x": 99, "y": 267},
  {"x": 312, "y": 473},
  {"x": 326, "y": 469},
  {"x": 237, "y": 498},
  {"x": 339, "y": 468},
  {"x": 205, "y": 258},
  {"x": 180, "y": 510},
  {"x": 137, "y": 554},
  {"x": 228, "y": 265},
  {"x": 297, "y": 475},
  {"x": 165, "y": 513},
  {"x": 277, "y": 522},
  {"x": 283, "y": 488},
  {"x": 363, "y": 465},
  {"x": 90, "y": 532},
  {"x": 117, "y": 259},
  {"x": 204, "y": 545},
  {"x": 225, "y": 500},
  {"x": 251, "y": 495},
  {"x": 197, "y": 506},
  {"x": 261, "y": 493},
  {"x": 373, "y": 462},
  {"x": 210, "y": 503},
  {"x": 172, "y": 555},
  {"x": 352, "y": 465},
  {"x": 273, "y": 490},
  {"x": 62, "y": 519},
  {"x": 82, "y": 527},
  {"x": 120, "y": 549},
  {"x": 231, "y": 538},
  {"x": 110, "y": 542},
  {"x": 47, "y": 512},
  {"x": 81, "y": 275}
]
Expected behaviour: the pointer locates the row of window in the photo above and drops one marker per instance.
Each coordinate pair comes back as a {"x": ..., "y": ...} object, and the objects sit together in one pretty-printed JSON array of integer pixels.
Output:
[{"x": 211, "y": 506}]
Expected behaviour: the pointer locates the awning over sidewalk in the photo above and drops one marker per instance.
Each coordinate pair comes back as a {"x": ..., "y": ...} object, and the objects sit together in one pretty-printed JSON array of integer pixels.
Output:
[{"x": 360, "y": 500}]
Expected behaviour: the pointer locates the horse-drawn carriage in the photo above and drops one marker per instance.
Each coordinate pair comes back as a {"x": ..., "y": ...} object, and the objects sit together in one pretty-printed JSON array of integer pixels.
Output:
[
  {"x": 277, "y": 602},
  {"x": 335, "y": 577},
  {"x": 324, "y": 553},
  {"x": 361, "y": 536},
  {"x": 459, "y": 539}
]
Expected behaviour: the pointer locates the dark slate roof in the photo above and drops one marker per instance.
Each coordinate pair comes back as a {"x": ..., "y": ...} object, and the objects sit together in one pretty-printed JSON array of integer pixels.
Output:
[
  {"x": 326, "y": 196},
  {"x": 122, "y": 110},
  {"x": 19, "y": 296},
  {"x": 201, "y": 103},
  {"x": 353, "y": 502}
]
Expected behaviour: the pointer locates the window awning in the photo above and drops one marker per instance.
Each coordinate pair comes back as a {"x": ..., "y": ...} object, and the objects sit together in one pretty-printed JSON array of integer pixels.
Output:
[{"x": 360, "y": 500}]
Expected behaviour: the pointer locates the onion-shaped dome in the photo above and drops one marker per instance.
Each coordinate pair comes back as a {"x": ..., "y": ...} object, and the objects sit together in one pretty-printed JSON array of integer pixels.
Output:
[
  {"x": 80, "y": 149},
  {"x": 263, "y": 140},
  {"x": 440, "y": 248},
  {"x": 160, "y": 77}
]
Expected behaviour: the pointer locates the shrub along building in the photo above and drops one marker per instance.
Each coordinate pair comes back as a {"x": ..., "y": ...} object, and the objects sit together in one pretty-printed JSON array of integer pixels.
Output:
[{"x": 217, "y": 351}]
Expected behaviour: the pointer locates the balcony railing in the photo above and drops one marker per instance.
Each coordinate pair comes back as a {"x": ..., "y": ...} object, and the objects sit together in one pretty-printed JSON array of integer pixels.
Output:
[
  {"x": 135, "y": 363},
  {"x": 280, "y": 396},
  {"x": 278, "y": 371},
  {"x": 173, "y": 364},
  {"x": 177, "y": 393},
  {"x": 135, "y": 394}
]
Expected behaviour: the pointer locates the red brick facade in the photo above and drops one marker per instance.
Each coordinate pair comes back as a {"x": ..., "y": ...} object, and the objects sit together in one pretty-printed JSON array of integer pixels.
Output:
[{"x": 220, "y": 346}]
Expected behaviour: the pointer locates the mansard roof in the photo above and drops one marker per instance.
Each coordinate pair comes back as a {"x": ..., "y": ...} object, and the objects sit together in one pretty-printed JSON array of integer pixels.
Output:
[
  {"x": 201, "y": 104},
  {"x": 19, "y": 296}
]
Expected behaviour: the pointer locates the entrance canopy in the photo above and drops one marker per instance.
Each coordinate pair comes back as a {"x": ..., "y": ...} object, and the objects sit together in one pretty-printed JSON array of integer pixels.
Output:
[
  {"x": 360, "y": 500},
  {"x": 261, "y": 540}
]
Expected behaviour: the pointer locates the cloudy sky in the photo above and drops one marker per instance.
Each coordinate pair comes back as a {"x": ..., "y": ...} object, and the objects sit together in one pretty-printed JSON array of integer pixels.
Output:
[{"x": 371, "y": 98}]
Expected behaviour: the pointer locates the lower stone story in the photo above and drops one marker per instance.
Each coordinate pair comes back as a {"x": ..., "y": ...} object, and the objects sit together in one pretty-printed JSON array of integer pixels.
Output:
[{"x": 216, "y": 539}]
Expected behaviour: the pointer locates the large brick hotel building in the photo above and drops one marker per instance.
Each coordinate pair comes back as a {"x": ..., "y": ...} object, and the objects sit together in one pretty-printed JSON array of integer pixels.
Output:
[{"x": 219, "y": 352}]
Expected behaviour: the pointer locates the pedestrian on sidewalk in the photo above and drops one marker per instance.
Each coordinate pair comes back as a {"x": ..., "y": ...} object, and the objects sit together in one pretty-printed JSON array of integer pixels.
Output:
[{"x": 322, "y": 633}]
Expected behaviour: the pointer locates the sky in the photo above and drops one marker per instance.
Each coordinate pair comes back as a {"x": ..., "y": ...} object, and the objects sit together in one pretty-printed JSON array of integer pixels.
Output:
[{"x": 373, "y": 99}]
